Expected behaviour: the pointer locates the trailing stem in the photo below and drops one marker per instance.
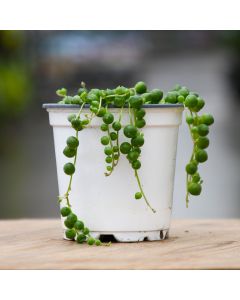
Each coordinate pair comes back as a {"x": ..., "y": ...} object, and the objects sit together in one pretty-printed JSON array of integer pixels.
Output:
[{"x": 143, "y": 194}]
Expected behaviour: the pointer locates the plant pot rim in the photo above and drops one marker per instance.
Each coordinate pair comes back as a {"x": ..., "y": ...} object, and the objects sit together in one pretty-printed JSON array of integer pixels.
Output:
[{"x": 71, "y": 106}]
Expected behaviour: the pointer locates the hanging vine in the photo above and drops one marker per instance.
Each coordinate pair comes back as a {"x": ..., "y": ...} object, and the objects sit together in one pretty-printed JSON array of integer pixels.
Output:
[{"x": 132, "y": 99}]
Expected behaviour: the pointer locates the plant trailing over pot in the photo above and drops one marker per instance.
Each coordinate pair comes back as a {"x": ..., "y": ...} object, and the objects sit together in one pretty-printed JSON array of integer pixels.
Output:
[{"x": 100, "y": 102}]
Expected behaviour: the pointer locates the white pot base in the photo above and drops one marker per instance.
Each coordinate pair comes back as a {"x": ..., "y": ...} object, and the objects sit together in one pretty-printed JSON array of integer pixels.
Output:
[{"x": 132, "y": 236}]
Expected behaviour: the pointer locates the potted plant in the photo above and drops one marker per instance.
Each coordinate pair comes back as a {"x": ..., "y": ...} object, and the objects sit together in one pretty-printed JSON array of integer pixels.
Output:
[{"x": 130, "y": 135}]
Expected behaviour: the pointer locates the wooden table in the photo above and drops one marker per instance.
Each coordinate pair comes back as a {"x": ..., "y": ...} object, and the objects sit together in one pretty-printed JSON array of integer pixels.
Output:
[{"x": 193, "y": 244}]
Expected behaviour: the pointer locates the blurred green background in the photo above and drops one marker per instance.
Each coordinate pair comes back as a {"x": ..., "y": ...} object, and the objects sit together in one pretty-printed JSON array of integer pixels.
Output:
[{"x": 33, "y": 64}]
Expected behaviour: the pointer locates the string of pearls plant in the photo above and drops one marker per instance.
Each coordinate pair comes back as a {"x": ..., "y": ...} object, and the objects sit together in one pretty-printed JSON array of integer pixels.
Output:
[{"x": 133, "y": 99}]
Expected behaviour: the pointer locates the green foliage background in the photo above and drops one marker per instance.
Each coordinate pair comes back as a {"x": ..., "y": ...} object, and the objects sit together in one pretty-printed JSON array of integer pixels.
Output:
[{"x": 15, "y": 75}]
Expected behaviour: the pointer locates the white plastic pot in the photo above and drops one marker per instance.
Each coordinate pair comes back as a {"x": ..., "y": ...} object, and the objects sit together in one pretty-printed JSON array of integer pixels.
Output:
[{"x": 107, "y": 204}]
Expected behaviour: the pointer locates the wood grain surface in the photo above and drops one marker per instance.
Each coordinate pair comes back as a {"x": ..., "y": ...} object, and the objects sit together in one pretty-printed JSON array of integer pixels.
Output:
[{"x": 192, "y": 244}]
